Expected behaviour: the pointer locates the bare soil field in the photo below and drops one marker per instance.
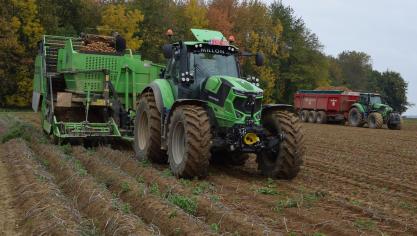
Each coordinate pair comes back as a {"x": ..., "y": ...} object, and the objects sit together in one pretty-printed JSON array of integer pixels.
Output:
[{"x": 354, "y": 181}]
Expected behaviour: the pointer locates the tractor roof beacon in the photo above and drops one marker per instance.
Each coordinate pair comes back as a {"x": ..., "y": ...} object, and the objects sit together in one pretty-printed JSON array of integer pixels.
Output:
[{"x": 202, "y": 111}]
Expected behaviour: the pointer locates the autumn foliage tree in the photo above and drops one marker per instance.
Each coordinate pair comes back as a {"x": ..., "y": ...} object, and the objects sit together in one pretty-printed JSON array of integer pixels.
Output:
[
  {"x": 293, "y": 54},
  {"x": 125, "y": 22}
]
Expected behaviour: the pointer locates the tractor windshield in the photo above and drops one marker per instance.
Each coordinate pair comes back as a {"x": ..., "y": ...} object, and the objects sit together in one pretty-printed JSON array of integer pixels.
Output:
[
  {"x": 204, "y": 65},
  {"x": 376, "y": 100}
]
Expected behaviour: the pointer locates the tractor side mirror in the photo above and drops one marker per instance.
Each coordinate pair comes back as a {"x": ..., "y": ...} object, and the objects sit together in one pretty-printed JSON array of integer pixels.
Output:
[
  {"x": 259, "y": 59},
  {"x": 167, "y": 51}
]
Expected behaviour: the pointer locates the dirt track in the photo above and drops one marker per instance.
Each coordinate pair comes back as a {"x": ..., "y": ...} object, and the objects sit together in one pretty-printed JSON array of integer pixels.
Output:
[{"x": 354, "y": 181}]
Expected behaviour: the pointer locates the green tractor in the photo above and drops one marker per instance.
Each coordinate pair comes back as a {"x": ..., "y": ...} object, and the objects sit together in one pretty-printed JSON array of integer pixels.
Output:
[
  {"x": 371, "y": 110},
  {"x": 201, "y": 110}
]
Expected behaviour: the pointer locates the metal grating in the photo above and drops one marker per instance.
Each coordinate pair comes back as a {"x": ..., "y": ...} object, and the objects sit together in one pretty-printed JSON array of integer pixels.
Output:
[{"x": 94, "y": 81}]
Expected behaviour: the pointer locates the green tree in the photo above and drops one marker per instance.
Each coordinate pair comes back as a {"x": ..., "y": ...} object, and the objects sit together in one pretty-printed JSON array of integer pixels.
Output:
[
  {"x": 356, "y": 69},
  {"x": 394, "y": 89},
  {"x": 301, "y": 64}
]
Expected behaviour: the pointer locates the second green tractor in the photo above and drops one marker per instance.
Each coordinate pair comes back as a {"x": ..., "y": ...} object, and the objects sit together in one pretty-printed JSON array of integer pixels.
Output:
[
  {"x": 371, "y": 109},
  {"x": 202, "y": 111}
]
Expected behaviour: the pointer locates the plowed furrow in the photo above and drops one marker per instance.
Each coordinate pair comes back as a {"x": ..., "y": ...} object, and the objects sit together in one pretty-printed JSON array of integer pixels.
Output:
[
  {"x": 152, "y": 209},
  {"x": 253, "y": 203},
  {"x": 365, "y": 157},
  {"x": 344, "y": 209},
  {"x": 44, "y": 209},
  {"x": 379, "y": 180},
  {"x": 359, "y": 194},
  {"x": 228, "y": 219},
  {"x": 91, "y": 199}
]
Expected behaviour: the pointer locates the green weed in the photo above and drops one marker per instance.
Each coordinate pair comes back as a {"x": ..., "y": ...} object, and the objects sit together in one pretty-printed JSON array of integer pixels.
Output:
[
  {"x": 215, "y": 227},
  {"x": 154, "y": 189},
  {"x": 214, "y": 198},
  {"x": 125, "y": 187},
  {"x": 267, "y": 191},
  {"x": 66, "y": 148},
  {"x": 364, "y": 224},
  {"x": 17, "y": 130},
  {"x": 282, "y": 204},
  {"x": 79, "y": 168},
  {"x": 189, "y": 205},
  {"x": 167, "y": 173}
]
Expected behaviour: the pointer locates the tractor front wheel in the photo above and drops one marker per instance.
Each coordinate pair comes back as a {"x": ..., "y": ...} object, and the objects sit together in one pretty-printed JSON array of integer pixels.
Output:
[
  {"x": 147, "y": 140},
  {"x": 285, "y": 159},
  {"x": 189, "y": 140},
  {"x": 375, "y": 120}
]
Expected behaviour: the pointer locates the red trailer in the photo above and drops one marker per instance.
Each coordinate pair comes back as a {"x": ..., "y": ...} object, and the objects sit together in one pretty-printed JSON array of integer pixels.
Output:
[{"x": 320, "y": 106}]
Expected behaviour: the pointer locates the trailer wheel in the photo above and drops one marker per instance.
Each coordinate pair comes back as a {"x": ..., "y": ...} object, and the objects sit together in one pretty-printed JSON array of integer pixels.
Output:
[
  {"x": 312, "y": 117},
  {"x": 189, "y": 140},
  {"x": 321, "y": 117},
  {"x": 355, "y": 118},
  {"x": 285, "y": 159},
  {"x": 147, "y": 140},
  {"x": 304, "y": 116},
  {"x": 375, "y": 120}
]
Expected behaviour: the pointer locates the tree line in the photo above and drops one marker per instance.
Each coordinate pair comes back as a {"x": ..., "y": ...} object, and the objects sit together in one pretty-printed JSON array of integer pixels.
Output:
[{"x": 294, "y": 55}]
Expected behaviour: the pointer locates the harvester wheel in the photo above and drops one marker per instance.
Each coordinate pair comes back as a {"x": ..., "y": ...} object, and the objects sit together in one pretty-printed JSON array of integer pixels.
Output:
[
  {"x": 312, "y": 117},
  {"x": 147, "y": 141},
  {"x": 375, "y": 120},
  {"x": 355, "y": 118},
  {"x": 321, "y": 117},
  {"x": 189, "y": 140},
  {"x": 284, "y": 160},
  {"x": 304, "y": 116},
  {"x": 229, "y": 158}
]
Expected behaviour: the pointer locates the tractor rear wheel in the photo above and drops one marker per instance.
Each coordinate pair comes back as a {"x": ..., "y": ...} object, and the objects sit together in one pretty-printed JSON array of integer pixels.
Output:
[
  {"x": 321, "y": 117},
  {"x": 355, "y": 118},
  {"x": 285, "y": 159},
  {"x": 375, "y": 120},
  {"x": 312, "y": 117},
  {"x": 147, "y": 140},
  {"x": 189, "y": 140},
  {"x": 304, "y": 116}
]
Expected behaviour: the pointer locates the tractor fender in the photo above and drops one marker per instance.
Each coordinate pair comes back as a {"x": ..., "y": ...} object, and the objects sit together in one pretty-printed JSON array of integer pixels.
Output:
[
  {"x": 277, "y": 107},
  {"x": 357, "y": 106},
  {"x": 162, "y": 92}
]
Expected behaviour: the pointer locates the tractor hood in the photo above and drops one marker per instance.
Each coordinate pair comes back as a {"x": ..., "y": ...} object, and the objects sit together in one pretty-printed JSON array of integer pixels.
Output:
[
  {"x": 382, "y": 107},
  {"x": 214, "y": 83}
]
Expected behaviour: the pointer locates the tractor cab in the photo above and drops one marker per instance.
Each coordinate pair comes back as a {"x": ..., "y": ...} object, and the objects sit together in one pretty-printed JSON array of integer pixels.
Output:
[{"x": 208, "y": 69}]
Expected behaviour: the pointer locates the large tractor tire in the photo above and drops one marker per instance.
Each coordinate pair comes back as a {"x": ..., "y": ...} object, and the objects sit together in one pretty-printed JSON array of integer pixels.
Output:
[
  {"x": 355, "y": 117},
  {"x": 304, "y": 116},
  {"x": 321, "y": 117},
  {"x": 375, "y": 120},
  {"x": 147, "y": 140},
  {"x": 229, "y": 158},
  {"x": 285, "y": 159},
  {"x": 394, "y": 126},
  {"x": 312, "y": 117},
  {"x": 189, "y": 138}
]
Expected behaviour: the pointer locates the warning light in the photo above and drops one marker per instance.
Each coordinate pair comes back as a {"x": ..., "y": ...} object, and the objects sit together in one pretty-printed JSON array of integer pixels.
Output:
[
  {"x": 219, "y": 42},
  {"x": 169, "y": 33},
  {"x": 231, "y": 39}
]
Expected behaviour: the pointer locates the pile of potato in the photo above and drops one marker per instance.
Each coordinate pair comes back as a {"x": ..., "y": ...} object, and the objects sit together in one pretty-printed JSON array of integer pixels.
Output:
[{"x": 98, "y": 46}]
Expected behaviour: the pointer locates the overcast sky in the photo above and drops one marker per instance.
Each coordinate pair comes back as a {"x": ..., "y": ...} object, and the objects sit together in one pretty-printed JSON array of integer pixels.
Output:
[{"x": 384, "y": 29}]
